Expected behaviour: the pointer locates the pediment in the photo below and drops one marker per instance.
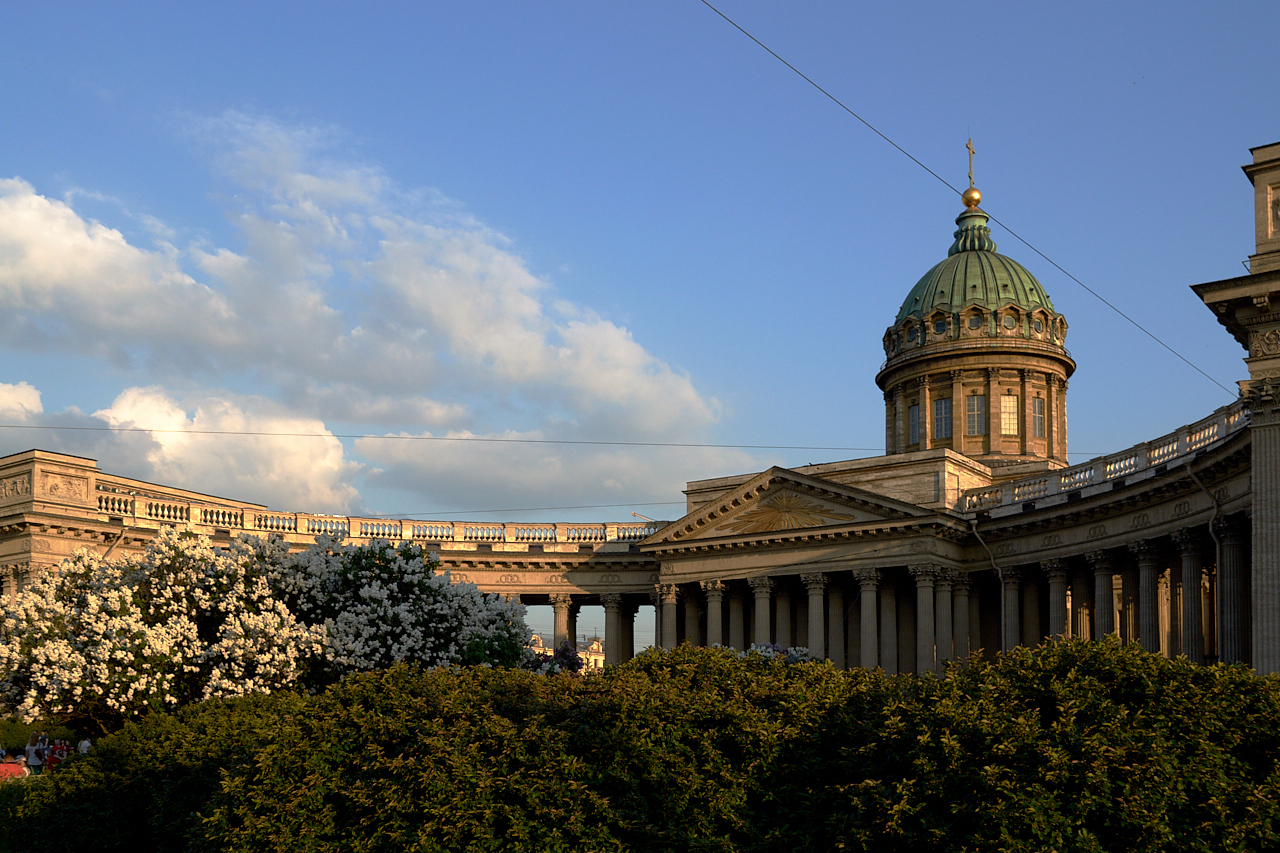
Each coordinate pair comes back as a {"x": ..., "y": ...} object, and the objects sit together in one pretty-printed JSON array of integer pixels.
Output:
[{"x": 780, "y": 500}]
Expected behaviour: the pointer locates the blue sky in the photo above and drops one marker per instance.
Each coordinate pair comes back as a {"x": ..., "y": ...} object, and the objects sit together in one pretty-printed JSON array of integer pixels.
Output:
[{"x": 586, "y": 221}]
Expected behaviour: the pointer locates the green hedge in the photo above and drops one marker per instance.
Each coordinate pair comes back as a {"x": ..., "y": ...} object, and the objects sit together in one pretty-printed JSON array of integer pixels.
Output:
[{"x": 1072, "y": 746}]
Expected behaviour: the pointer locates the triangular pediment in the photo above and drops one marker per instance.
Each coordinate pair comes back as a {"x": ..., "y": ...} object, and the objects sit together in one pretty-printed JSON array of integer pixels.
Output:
[{"x": 780, "y": 500}]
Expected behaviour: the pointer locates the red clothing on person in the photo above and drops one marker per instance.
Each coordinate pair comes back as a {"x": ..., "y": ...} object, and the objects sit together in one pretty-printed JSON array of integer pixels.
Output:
[{"x": 10, "y": 768}]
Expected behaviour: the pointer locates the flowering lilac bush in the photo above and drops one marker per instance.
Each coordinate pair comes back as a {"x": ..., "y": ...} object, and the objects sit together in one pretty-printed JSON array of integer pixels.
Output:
[
  {"x": 379, "y": 604},
  {"x": 105, "y": 640}
]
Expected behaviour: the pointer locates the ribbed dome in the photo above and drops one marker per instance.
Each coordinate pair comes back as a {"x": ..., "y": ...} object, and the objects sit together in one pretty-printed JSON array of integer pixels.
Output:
[{"x": 974, "y": 274}]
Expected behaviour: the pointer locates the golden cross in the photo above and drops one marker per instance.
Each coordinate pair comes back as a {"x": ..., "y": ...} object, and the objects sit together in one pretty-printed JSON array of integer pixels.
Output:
[{"x": 970, "y": 147}]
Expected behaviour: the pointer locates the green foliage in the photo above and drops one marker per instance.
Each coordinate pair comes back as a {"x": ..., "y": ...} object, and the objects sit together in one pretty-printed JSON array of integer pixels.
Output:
[
  {"x": 1069, "y": 747},
  {"x": 14, "y": 733}
]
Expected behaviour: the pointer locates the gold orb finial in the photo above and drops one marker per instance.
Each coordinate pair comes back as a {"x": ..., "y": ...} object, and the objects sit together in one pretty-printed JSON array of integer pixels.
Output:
[{"x": 971, "y": 197}]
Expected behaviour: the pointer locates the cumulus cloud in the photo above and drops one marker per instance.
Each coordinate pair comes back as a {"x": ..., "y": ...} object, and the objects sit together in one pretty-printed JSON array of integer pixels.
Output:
[{"x": 350, "y": 301}]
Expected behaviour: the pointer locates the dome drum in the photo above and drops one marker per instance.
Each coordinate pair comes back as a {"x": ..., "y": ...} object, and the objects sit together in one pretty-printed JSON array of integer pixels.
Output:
[{"x": 975, "y": 361}]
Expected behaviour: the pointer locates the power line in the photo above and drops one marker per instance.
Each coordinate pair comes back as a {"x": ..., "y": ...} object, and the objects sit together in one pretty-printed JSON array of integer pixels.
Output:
[
  {"x": 1015, "y": 234},
  {"x": 473, "y": 438}
]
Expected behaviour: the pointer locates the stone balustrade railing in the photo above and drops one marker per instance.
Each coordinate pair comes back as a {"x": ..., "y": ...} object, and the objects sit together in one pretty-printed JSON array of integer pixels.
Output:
[
  {"x": 1153, "y": 456},
  {"x": 154, "y": 507}
]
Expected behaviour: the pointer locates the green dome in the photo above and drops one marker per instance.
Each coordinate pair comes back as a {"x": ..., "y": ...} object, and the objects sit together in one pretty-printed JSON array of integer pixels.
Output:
[{"x": 974, "y": 275}]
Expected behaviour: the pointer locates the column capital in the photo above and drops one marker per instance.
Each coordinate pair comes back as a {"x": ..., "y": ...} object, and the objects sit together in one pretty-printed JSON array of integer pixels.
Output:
[
  {"x": 1230, "y": 530},
  {"x": 1010, "y": 575},
  {"x": 868, "y": 578},
  {"x": 1144, "y": 550},
  {"x": 924, "y": 573},
  {"x": 667, "y": 592},
  {"x": 1100, "y": 562},
  {"x": 560, "y": 599},
  {"x": 962, "y": 582},
  {"x": 946, "y": 578},
  {"x": 713, "y": 589},
  {"x": 1054, "y": 569},
  {"x": 814, "y": 582},
  {"x": 611, "y": 600},
  {"x": 761, "y": 585},
  {"x": 957, "y": 375},
  {"x": 993, "y": 373},
  {"x": 922, "y": 382},
  {"x": 1188, "y": 541}
]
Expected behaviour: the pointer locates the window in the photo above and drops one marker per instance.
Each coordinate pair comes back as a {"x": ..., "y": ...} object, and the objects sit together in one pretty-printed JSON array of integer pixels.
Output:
[
  {"x": 939, "y": 327},
  {"x": 1037, "y": 417},
  {"x": 975, "y": 321},
  {"x": 1009, "y": 415},
  {"x": 1010, "y": 321},
  {"x": 913, "y": 418},
  {"x": 911, "y": 334},
  {"x": 975, "y": 415},
  {"x": 942, "y": 418}
]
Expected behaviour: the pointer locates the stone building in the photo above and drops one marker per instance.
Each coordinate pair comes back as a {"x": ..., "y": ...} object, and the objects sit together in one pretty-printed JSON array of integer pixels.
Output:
[{"x": 971, "y": 533}]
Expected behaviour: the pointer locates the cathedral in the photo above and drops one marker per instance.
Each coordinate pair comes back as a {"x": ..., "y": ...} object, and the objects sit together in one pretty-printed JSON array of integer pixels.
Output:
[{"x": 971, "y": 534}]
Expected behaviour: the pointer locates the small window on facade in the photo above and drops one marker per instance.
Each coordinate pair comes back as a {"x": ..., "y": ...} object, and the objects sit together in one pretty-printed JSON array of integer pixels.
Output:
[
  {"x": 1009, "y": 415},
  {"x": 1010, "y": 321},
  {"x": 975, "y": 415},
  {"x": 1039, "y": 326},
  {"x": 942, "y": 418},
  {"x": 1037, "y": 417},
  {"x": 975, "y": 321},
  {"x": 913, "y": 424},
  {"x": 911, "y": 333},
  {"x": 939, "y": 327}
]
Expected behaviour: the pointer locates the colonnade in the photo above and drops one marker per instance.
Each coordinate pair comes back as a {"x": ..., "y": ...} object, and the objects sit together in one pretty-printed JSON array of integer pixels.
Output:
[{"x": 1185, "y": 593}]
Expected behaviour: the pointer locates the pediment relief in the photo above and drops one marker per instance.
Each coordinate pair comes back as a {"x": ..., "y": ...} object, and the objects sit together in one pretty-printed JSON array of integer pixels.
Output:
[
  {"x": 786, "y": 510},
  {"x": 779, "y": 500}
]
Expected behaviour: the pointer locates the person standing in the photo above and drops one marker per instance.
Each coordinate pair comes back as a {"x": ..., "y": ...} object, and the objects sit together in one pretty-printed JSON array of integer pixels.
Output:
[{"x": 35, "y": 755}]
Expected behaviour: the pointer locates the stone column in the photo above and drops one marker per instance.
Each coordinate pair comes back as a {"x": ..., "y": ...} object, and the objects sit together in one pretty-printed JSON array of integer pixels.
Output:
[
  {"x": 888, "y": 628},
  {"x": 1191, "y": 549},
  {"x": 1233, "y": 602},
  {"x": 1103, "y": 594},
  {"x": 835, "y": 625},
  {"x": 1174, "y": 618},
  {"x": 1031, "y": 635},
  {"x": 762, "y": 588},
  {"x": 1264, "y": 452},
  {"x": 560, "y": 602},
  {"x": 573, "y": 624},
  {"x": 737, "y": 619},
  {"x": 957, "y": 410},
  {"x": 868, "y": 583},
  {"x": 994, "y": 438},
  {"x": 612, "y": 602},
  {"x": 1055, "y": 571},
  {"x": 1129, "y": 604},
  {"x": 924, "y": 575},
  {"x": 692, "y": 628},
  {"x": 1010, "y": 632},
  {"x": 1148, "y": 557},
  {"x": 900, "y": 418},
  {"x": 890, "y": 422},
  {"x": 657, "y": 617},
  {"x": 926, "y": 413},
  {"x": 1081, "y": 606},
  {"x": 1024, "y": 389},
  {"x": 814, "y": 584},
  {"x": 668, "y": 594},
  {"x": 782, "y": 617},
  {"x": 1209, "y": 612},
  {"x": 960, "y": 626},
  {"x": 628, "y": 646},
  {"x": 942, "y": 623},
  {"x": 714, "y": 591}
]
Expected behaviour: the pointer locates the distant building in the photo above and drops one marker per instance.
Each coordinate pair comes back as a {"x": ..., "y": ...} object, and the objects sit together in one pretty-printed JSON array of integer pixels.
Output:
[{"x": 972, "y": 532}]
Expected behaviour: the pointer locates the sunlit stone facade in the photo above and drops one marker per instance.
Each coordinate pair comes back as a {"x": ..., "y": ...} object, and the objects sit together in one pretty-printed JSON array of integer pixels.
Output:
[{"x": 971, "y": 533}]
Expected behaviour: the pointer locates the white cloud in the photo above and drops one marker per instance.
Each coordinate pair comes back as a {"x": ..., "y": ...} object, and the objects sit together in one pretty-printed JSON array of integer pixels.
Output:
[
  {"x": 276, "y": 466},
  {"x": 19, "y": 402},
  {"x": 350, "y": 301}
]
